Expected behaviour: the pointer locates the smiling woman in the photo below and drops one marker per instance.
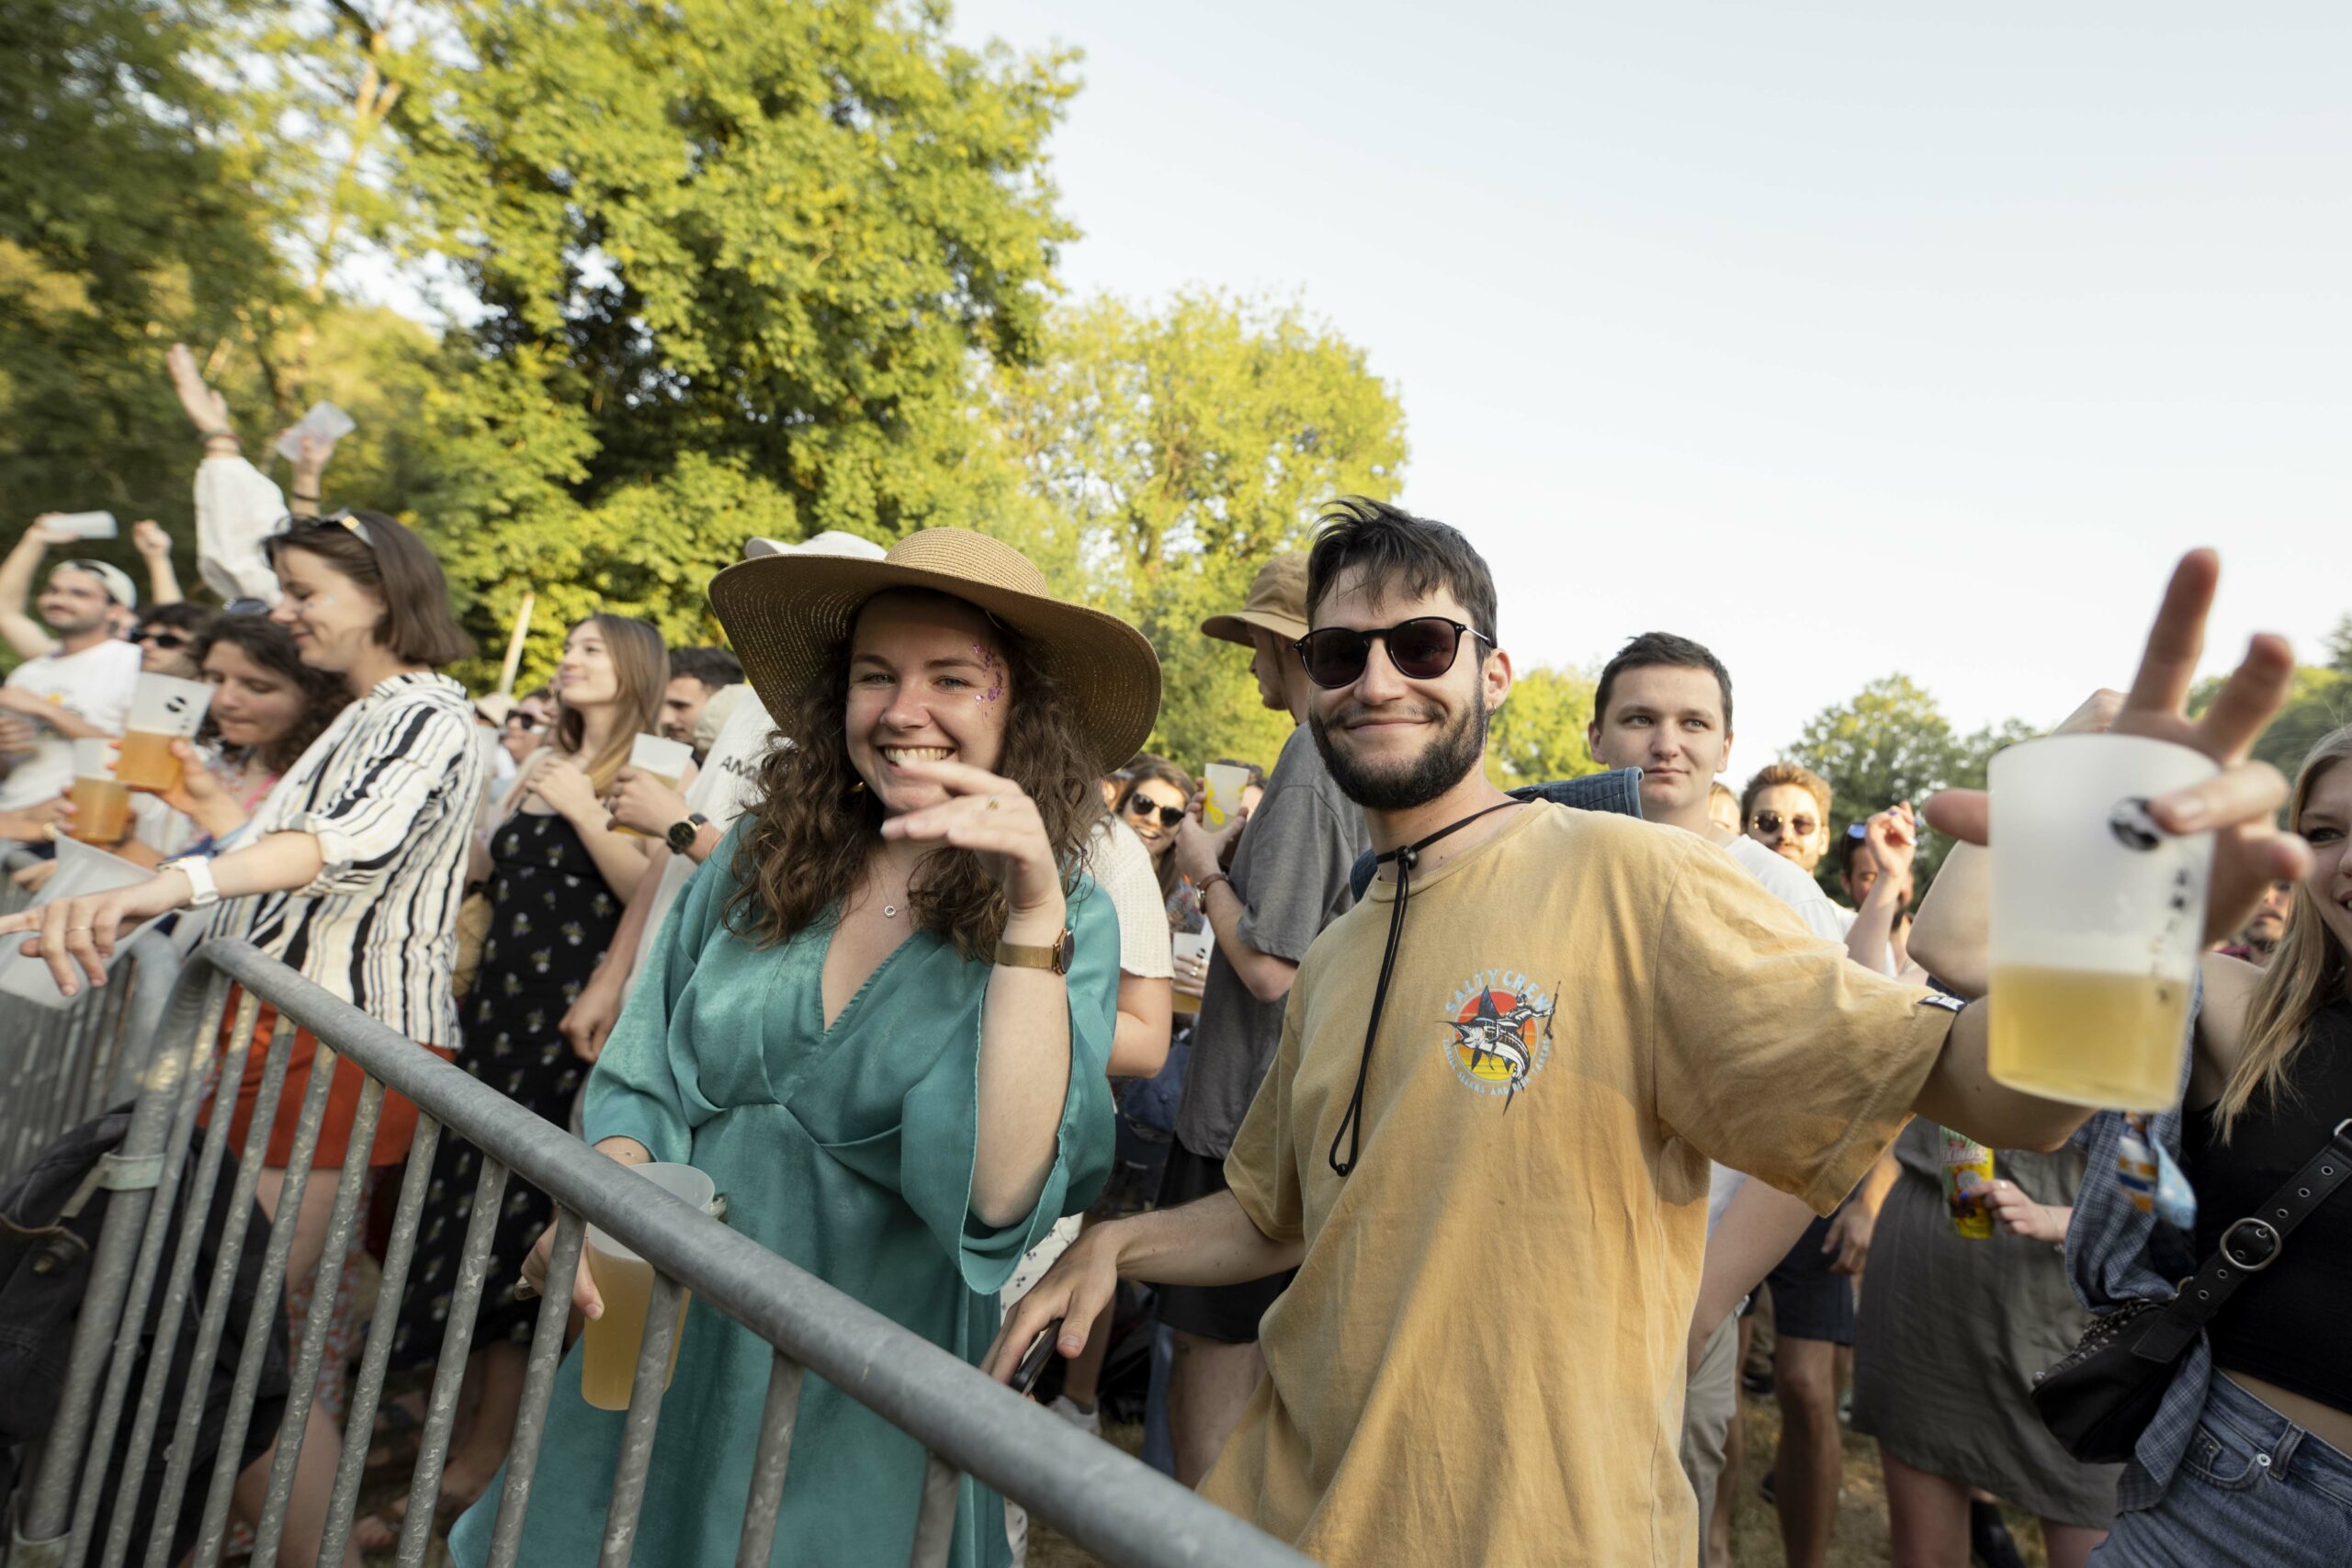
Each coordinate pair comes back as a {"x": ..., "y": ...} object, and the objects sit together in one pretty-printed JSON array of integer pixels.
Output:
[{"x": 880, "y": 1017}]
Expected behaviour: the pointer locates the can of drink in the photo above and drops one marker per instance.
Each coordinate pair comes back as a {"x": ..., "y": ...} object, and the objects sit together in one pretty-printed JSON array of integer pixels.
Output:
[{"x": 1968, "y": 1181}]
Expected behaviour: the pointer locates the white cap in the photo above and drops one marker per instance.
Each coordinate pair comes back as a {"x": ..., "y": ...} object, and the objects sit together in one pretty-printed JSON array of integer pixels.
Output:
[
  {"x": 117, "y": 581},
  {"x": 832, "y": 542}
]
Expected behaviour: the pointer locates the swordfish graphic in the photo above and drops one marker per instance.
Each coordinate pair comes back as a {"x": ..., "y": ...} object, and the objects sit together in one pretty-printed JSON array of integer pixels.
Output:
[{"x": 1502, "y": 1036}]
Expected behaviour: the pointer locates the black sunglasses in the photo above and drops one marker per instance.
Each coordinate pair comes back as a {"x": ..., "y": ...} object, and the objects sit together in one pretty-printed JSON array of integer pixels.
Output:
[
  {"x": 1140, "y": 807},
  {"x": 169, "y": 641},
  {"x": 1422, "y": 649},
  {"x": 1769, "y": 822}
]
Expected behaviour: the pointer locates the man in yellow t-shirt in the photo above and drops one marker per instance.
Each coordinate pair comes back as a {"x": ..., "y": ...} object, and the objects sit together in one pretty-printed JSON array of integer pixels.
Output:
[{"x": 1483, "y": 1142}]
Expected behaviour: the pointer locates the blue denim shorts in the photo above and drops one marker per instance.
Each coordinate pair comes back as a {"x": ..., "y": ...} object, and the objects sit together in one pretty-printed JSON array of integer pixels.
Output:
[{"x": 2253, "y": 1488}]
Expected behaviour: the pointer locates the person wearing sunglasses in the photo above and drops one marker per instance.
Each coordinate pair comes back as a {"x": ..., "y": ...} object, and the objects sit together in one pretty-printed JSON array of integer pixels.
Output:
[
  {"x": 1286, "y": 880},
  {"x": 1483, "y": 1144},
  {"x": 1785, "y": 807},
  {"x": 168, "y": 637}
]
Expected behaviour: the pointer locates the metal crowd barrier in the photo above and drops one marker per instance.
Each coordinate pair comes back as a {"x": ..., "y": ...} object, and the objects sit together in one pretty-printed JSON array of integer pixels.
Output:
[
  {"x": 61, "y": 1067},
  {"x": 1104, "y": 1500}
]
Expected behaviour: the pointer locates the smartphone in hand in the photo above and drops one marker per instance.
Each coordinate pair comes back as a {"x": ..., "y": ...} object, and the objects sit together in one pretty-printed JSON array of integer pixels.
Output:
[{"x": 1033, "y": 1363}]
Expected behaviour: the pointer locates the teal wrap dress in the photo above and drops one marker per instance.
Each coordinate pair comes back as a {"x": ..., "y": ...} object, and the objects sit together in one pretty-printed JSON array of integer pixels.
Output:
[{"x": 849, "y": 1151}]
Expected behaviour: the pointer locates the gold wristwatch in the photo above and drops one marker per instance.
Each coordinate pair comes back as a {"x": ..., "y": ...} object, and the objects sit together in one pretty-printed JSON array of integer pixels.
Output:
[{"x": 1015, "y": 955}]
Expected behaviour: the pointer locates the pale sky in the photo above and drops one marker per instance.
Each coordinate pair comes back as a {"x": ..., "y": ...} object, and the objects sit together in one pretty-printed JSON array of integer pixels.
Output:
[{"x": 1845, "y": 337}]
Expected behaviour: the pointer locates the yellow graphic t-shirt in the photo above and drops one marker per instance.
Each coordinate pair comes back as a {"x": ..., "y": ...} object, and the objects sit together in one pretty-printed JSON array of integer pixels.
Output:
[{"x": 1481, "y": 1359}]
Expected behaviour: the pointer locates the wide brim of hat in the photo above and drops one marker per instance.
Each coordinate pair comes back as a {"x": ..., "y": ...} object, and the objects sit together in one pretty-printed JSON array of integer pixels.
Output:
[
  {"x": 786, "y": 614},
  {"x": 1236, "y": 627}
]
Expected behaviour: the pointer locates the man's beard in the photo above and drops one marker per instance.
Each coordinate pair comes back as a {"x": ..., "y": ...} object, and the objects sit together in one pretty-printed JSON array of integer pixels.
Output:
[
  {"x": 1443, "y": 763},
  {"x": 66, "y": 623}
]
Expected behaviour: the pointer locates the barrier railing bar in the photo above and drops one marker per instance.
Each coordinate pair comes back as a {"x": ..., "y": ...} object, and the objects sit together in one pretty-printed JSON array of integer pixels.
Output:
[
  {"x": 54, "y": 1485},
  {"x": 180, "y": 1455},
  {"x": 367, "y": 1388},
  {"x": 665, "y": 1303},
  {"x": 456, "y": 1344},
  {"x": 302, "y": 1390},
  {"x": 261, "y": 1324},
  {"x": 942, "y": 1486},
  {"x": 538, "y": 1386},
  {"x": 1093, "y": 1493},
  {"x": 161, "y": 1197},
  {"x": 176, "y": 1286},
  {"x": 777, "y": 1418}
]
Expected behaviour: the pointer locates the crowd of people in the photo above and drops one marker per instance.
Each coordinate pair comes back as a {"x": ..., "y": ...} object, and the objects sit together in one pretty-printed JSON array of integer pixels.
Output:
[{"x": 1432, "y": 1238}]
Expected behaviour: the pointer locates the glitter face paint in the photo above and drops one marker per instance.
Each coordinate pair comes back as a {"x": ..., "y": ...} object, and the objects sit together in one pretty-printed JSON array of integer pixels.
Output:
[{"x": 995, "y": 666}]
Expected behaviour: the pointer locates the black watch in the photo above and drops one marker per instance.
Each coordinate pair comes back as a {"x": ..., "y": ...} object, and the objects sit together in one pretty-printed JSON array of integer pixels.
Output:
[{"x": 682, "y": 835}]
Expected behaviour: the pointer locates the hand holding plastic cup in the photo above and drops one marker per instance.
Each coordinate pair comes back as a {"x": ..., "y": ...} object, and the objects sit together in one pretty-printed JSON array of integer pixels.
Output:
[
  {"x": 164, "y": 708},
  {"x": 101, "y": 804},
  {"x": 1223, "y": 800},
  {"x": 2097, "y": 920},
  {"x": 662, "y": 758},
  {"x": 610, "y": 1344}
]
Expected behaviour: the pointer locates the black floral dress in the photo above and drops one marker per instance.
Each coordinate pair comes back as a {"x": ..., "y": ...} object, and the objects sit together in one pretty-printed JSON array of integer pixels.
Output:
[{"x": 551, "y": 918}]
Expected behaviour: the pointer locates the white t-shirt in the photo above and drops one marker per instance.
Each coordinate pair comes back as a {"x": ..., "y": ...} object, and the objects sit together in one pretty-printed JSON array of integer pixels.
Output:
[
  {"x": 1121, "y": 867},
  {"x": 728, "y": 778},
  {"x": 1781, "y": 877},
  {"x": 237, "y": 507},
  {"x": 94, "y": 685}
]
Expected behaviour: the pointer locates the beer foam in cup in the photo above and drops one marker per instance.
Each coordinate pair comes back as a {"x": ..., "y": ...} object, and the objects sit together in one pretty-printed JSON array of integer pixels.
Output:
[
  {"x": 94, "y": 757},
  {"x": 1223, "y": 799},
  {"x": 165, "y": 705},
  {"x": 660, "y": 756}
]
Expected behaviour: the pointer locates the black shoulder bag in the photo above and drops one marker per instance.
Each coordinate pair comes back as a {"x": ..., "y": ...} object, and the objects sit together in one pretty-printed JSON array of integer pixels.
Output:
[{"x": 2102, "y": 1396}]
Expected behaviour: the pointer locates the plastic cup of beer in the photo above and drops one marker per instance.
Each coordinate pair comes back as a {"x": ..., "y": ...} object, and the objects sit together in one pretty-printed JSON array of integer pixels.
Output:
[
  {"x": 2098, "y": 920},
  {"x": 610, "y": 1342},
  {"x": 101, "y": 804},
  {"x": 164, "y": 708},
  {"x": 1221, "y": 800},
  {"x": 663, "y": 757}
]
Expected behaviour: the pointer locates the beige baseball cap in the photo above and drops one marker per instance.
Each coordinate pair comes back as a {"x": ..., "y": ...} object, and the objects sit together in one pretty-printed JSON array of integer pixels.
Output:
[{"x": 1277, "y": 602}]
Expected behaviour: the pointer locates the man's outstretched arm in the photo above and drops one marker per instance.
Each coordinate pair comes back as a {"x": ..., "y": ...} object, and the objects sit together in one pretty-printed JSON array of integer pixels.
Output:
[{"x": 1211, "y": 1242}]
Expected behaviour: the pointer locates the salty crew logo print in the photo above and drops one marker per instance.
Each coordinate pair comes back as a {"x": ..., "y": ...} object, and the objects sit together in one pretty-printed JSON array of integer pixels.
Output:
[{"x": 1499, "y": 1032}]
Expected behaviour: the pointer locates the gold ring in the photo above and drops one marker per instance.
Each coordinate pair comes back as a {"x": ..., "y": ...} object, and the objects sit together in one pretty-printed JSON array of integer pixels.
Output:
[{"x": 992, "y": 803}]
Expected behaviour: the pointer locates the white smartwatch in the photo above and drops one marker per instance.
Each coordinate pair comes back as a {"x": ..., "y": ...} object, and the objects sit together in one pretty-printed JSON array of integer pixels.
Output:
[{"x": 202, "y": 891}]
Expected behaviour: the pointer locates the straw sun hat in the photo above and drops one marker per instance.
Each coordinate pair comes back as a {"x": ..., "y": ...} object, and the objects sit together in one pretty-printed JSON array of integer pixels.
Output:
[{"x": 785, "y": 614}]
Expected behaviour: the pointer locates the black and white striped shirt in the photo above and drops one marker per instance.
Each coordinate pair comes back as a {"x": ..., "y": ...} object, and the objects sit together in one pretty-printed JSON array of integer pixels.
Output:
[{"x": 389, "y": 792}]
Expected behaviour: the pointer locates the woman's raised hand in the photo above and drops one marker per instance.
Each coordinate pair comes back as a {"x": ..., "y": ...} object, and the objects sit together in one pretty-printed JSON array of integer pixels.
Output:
[
  {"x": 568, "y": 791},
  {"x": 995, "y": 817}
]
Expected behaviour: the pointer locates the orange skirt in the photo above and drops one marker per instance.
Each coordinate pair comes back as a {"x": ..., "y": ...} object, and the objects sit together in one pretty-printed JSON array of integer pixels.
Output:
[{"x": 394, "y": 1126}]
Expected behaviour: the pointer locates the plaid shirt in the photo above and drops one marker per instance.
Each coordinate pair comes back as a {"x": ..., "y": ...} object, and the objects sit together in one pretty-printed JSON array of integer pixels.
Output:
[{"x": 2117, "y": 1253}]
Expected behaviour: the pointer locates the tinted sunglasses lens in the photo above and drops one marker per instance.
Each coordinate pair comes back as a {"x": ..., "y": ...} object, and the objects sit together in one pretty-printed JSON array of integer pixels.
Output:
[
  {"x": 1334, "y": 656},
  {"x": 1423, "y": 649}
]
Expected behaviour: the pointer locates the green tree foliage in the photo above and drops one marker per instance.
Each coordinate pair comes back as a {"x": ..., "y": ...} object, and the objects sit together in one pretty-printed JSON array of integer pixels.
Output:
[
  {"x": 772, "y": 234},
  {"x": 2319, "y": 701},
  {"x": 1172, "y": 453},
  {"x": 1891, "y": 743},
  {"x": 1539, "y": 733},
  {"x": 126, "y": 220}
]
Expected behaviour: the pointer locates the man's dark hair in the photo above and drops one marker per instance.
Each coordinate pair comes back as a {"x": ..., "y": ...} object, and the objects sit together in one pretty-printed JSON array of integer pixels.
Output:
[
  {"x": 1653, "y": 650},
  {"x": 180, "y": 616},
  {"x": 713, "y": 667},
  {"x": 1404, "y": 556},
  {"x": 1849, "y": 843}
]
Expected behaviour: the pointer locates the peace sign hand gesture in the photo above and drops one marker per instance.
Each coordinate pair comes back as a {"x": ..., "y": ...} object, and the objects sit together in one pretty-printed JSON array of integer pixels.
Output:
[
  {"x": 2239, "y": 804},
  {"x": 995, "y": 818}
]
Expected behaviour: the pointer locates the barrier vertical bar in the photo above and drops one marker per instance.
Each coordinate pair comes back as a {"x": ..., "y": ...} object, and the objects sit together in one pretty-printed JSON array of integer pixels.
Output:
[
  {"x": 456, "y": 1344},
  {"x": 326, "y": 1287},
  {"x": 661, "y": 1312},
  {"x": 367, "y": 1388},
  {"x": 538, "y": 1386},
  {"x": 942, "y": 1487},
  {"x": 269, "y": 1290},
  {"x": 54, "y": 1485},
  {"x": 777, "y": 1418}
]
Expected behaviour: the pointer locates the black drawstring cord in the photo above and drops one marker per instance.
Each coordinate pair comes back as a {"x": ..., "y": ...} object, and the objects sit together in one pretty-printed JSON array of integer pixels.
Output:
[{"x": 1404, "y": 859}]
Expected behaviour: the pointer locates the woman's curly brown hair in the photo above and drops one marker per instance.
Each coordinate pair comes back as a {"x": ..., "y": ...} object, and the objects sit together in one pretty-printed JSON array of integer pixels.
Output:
[{"x": 814, "y": 823}]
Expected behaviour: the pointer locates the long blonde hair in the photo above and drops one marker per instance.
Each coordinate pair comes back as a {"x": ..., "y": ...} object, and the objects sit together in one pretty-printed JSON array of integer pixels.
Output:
[
  {"x": 2307, "y": 970},
  {"x": 641, "y": 669}
]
